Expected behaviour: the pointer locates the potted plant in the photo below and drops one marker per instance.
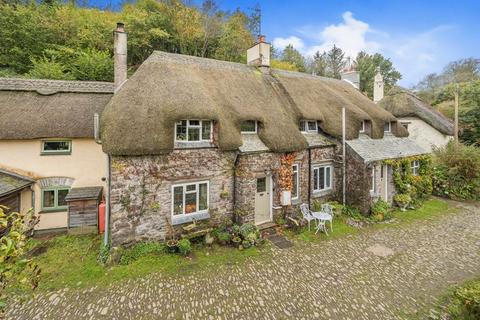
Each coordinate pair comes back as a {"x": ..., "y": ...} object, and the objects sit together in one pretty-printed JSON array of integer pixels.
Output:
[
  {"x": 236, "y": 240},
  {"x": 223, "y": 237},
  {"x": 402, "y": 200},
  {"x": 379, "y": 210},
  {"x": 172, "y": 243}
]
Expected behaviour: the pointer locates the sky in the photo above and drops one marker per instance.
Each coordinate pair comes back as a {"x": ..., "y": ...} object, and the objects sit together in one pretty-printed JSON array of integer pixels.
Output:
[{"x": 420, "y": 37}]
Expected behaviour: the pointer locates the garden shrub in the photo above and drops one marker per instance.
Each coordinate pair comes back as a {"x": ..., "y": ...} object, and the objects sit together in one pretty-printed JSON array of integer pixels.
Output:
[
  {"x": 402, "y": 199},
  {"x": 246, "y": 229},
  {"x": 184, "y": 247},
  {"x": 140, "y": 250},
  {"x": 380, "y": 209},
  {"x": 466, "y": 302},
  {"x": 456, "y": 172},
  {"x": 352, "y": 212}
]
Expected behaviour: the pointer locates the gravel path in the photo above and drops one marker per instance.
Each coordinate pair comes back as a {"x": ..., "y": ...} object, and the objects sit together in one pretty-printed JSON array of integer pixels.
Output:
[{"x": 391, "y": 273}]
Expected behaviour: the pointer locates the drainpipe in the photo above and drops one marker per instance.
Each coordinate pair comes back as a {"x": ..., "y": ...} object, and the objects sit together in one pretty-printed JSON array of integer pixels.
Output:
[
  {"x": 343, "y": 156},
  {"x": 234, "y": 197},
  {"x": 106, "y": 236}
]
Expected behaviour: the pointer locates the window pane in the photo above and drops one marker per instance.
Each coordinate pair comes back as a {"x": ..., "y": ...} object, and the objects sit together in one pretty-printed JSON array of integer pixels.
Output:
[
  {"x": 191, "y": 187},
  {"x": 56, "y": 146},
  {"x": 322, "y": 178},
  {"x": 191, "y": 202},
  {"x": 178, "y": 200},
  {"x": 202, "y": 197},
  {"x": 327, "y": 177},
  {"x": 315, "y": 179},
  {"x": 193, "y": 134},
  {"x": 49, "y": 199},
  {"x": 182, "y": 130},
  {"x": 206, "y": 130},
  {"x": 262, "y": 184},
  {"x": 312, "y": 125},
  {"x": 387, "y": 127},
  {"x": 248, "y": 126},
  {"x": 294, "y": 182},
  {"x": 62, "y": 193},
  {"x": 194, "y": 122}
]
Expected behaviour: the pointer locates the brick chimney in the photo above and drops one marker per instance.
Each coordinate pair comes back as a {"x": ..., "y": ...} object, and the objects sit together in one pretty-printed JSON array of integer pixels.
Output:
[
  {"x": 378, "y": 87},
  {"x": 120, "y": 55},
  {"x": 259, "y": 54}
]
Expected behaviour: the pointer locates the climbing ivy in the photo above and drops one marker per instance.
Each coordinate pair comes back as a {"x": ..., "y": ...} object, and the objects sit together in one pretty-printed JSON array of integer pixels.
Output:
[{"x": 418, "y": 187}]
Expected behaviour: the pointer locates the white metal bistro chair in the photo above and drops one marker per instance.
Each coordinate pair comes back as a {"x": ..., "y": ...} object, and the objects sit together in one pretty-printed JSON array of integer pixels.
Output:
[
  {"x": 307, "y": 214},
  {"x": 328, "y": 212}
]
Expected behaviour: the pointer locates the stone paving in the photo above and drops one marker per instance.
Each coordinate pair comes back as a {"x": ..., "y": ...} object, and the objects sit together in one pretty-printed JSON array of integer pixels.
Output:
[{"x": 391, "y": 273}]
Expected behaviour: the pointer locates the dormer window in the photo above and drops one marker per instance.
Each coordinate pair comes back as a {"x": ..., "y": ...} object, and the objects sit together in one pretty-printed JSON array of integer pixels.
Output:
[
  {"x": 362, "y": 127},
  {"x": 388, "y": 127},
  {"x": 249, "y": 126},
  {"x": 193, "y": 130},
  {"x": 308, "y": 126}
]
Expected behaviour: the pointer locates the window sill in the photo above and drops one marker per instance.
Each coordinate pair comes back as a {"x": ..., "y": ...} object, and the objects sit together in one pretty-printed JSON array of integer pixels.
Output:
[
  {"x": 191, "y": 144},
  {"x": 66, "y": 153},
  {"x": 176, "y": 220},
  {"x": 53, "y": 210},
  {"x": 321, "y": 193}
]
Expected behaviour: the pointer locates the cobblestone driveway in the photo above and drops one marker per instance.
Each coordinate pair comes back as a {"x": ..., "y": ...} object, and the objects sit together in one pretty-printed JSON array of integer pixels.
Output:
[{"x": 339, "y": 279}]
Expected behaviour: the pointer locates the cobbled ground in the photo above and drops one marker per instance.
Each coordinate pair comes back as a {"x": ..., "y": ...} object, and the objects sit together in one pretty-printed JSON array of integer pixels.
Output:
[{"x": 402, "y": 277}]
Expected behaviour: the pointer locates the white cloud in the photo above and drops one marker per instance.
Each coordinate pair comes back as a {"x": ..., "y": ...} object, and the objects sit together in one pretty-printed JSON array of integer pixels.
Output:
[
  {"x": 413, "y": 54},
  {"x": 281, "y": 43}
]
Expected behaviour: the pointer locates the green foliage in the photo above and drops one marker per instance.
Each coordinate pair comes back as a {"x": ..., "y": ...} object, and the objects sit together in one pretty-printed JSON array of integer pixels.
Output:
[
  {"x": 367, "y": 65},
  {"x": 104, "y": 253},
  {"x": 44, "y": 68},
  {"x": 456, "y": 172},
  {"x": 292, "y": 56},
  {"x": 15, "y": 268},
  {"x": 402, "y": 199},
  {"x": 418, "y": 187},
  {"x": 184, "y": 247},
  {"x": 352, "y": 212},
  {"x": 140, "y": 250},
  {"x": 283, "y": 65},
  {"x": 380, "y": 209},
  {"x": 246, "y": 229},
  {"x": 464, "y": 303},
  {"x": 223, "y": 237},
  {"x": 335, "y": 62}
]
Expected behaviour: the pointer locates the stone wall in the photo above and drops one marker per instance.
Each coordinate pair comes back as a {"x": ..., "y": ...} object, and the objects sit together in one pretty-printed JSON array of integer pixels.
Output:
[
  {"x": 141, "y": 190},
  {"x": 358, "y": 182}
]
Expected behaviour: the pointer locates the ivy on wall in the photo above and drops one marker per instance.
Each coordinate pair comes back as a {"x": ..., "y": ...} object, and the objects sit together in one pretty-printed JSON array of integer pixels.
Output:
[{"x": 418, "y": 187}]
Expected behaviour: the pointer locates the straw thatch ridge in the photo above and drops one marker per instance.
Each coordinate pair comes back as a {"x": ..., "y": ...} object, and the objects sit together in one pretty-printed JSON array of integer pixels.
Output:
[
  {"x": 29, "y": 115},
  {"x": 140, "y": 118},
  {"x": 403, "y": 103}
]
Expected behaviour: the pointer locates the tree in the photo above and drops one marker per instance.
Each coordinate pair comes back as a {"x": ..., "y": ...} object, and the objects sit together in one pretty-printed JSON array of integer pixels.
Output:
[
  {"x": 283, "y": 65},
  {"x": 429, "y": 86},
  {"x": 462, "y": 70},
  {"x": 335, "y": 62},
  {"x": 294, "y": 57},
  {"x": 15, "y": 268},
  {"x": 318, "y": 64},
  {"x": 211, "y": 22},
  {"x": 367, "y": 64},
  {"x": 235, "y": 38}
]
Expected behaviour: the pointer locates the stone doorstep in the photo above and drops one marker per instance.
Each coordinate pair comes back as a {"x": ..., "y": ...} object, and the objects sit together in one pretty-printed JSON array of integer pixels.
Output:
[{"x": 279, "y": 241}]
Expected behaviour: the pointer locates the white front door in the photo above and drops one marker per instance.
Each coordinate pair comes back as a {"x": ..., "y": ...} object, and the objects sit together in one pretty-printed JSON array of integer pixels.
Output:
[{"x": 262, "y": 200}]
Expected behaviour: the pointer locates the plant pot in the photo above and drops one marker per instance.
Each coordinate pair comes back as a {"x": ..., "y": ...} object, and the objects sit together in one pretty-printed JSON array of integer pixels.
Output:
[
  {"x": 172, "y": 246},
  {"x": 379, "y": 217},
  {"x": 236, "y": 241}
]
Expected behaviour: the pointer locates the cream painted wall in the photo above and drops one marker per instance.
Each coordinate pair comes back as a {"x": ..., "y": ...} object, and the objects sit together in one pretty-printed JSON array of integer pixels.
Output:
[
  {"x": 86, "y": 165},
  {"x": 424, "y": 134}
]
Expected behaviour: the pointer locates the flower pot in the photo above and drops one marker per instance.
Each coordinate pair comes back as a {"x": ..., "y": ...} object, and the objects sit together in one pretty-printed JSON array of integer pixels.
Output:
[
  {"x": 172, "y": 246},
  {"x": 236, "y": 241}
]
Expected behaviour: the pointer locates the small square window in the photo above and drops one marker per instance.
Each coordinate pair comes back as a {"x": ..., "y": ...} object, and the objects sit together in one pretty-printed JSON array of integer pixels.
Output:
[
  {"x": 249, "y": 126},
  {"x": 312, "y": 125},
  {"x": 415, "y": 167},
  {"x": 190, "y": 199},
  {"x": 56, "y": 147},
  {"x": 53, "y": 198},
  {"x": 308, "y": 126},
  {"x": 362, "y": 127},
  {"x": 193, "y": 130},
  {"x": 261, "y": 184},
  {"x": 387, "y": 127}
]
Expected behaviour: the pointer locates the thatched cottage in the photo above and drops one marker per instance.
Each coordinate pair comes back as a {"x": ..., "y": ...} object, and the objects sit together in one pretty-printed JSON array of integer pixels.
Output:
[{"x": 47, "y": 148}]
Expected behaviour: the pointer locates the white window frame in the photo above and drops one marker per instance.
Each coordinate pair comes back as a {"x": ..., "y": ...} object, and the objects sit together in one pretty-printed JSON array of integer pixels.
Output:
[
  {"x": 199, "y": 126},
  {"x": 330, "y": 187},
  {"x": 297, "y": 170},
  {"x": 389, "y": 127},
  {"x": 197, "y": 190},
  {"x": 362, "y": 127},
  {"x": 415, "y": 167},
  {"x": 405, "y": 124},
  {"x": 56, "y": 152},
  {"x": 305, "y": 127},
  {"x": 250, "y": 132}
]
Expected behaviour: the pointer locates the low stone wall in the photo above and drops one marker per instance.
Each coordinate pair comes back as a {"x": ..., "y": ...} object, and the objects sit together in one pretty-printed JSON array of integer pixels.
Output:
[{"x": 141, "y": 194}]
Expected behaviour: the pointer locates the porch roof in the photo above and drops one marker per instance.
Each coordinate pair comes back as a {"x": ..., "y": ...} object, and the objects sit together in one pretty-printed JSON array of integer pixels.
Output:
[
  {"x": 390, "y": 147},
  {"x": 11, "y": 182}
]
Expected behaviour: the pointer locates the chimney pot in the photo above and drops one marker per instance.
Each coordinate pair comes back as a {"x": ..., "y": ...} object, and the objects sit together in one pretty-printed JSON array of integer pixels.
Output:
[
  {"x": 261, "y": 38},
  {"x": 120, "y": 27},
  {"x": 259, "y": 54}
]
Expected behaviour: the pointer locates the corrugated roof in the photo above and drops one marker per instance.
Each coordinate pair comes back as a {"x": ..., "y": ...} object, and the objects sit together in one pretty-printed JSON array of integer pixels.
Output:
[
  {"x": 390, "y": 147},
  {"x": 11, "y": 182}
]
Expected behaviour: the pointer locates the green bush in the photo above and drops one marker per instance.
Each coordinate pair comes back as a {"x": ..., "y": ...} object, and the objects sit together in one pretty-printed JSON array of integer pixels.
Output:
[
  {"x": 140, "y": 250},
  {"x": 456, "y": 172},
  {"x": 352, "y": 212},
  {"x": 380, "y": 209},
  {"x": 402, "y": 199},
  {"x": 246, "y": 229},
  {"x": 184, "y": 247},
  {"x": 466, "y": 302},
  {"x": 223, "y": 236}
]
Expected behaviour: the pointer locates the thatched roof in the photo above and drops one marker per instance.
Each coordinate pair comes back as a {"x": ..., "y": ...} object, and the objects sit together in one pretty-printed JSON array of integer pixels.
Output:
[
  {"x": 403, "y": 103},
  {"x": 31, "y": 109},
  {"x": 167, "y": 87}
]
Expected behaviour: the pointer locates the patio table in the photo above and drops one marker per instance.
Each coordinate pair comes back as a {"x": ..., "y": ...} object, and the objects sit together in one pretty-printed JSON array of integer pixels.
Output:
[{"x": 322, "y": 216}]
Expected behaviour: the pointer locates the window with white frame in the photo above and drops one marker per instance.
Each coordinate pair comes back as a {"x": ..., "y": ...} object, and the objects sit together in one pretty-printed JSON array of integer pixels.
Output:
[
  {"x": 374, "y": 174},
  {"x": 387, "y": 127},
  {"x": 362, "y": 127},
  {"x": 189, "y": 198},
  {"x": 248, "y": 126},
  {"x": 415, "y": 166},
  {"x": 57, "y": 147},
  {"x": 295, "y": 181},
  {"x": 322, "y": 178},
  {"x": 308, "y": 126},
  {"x": 193, "y": 130},
  {"x": 405, "y": 124}
]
